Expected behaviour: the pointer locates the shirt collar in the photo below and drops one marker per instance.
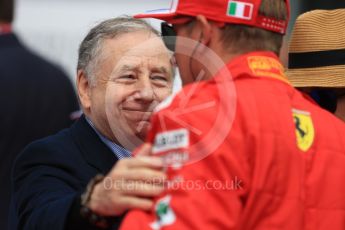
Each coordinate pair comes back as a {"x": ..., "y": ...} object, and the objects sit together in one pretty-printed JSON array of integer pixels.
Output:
[
  {"x": 264, "y": 64},
  {"x": 118, "y": 150}
]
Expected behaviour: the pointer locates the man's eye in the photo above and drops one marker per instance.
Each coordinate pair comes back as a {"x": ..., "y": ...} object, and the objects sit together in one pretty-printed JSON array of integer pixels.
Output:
[
  {"x": 128, "y": 77},
  {"x": 159, "y": 78}
]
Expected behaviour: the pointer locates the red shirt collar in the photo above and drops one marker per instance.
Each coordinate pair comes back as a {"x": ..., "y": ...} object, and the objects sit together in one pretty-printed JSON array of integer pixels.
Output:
[{"x": 256, "y": 64}]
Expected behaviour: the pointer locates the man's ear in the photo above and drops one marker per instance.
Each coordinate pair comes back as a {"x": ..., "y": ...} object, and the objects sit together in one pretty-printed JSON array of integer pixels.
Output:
[
  {"x": 84, "y": 90},
  {"x": 205, "y": 29}
]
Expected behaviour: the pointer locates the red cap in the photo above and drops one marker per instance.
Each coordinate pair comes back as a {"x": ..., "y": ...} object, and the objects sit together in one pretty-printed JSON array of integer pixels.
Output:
[{"x": 244, "y": 12}]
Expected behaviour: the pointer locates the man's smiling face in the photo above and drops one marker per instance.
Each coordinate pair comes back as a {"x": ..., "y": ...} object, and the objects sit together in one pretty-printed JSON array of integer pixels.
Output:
[{"x": 134, "y": 75}]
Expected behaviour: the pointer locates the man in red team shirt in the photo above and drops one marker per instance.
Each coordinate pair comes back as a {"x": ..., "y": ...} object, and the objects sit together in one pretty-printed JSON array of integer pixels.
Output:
[{"x": 245, "y": 150}]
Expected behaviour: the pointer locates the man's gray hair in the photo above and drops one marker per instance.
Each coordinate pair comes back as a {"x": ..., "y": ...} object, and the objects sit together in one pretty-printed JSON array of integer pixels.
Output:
[{"x": 91, "y": 47}]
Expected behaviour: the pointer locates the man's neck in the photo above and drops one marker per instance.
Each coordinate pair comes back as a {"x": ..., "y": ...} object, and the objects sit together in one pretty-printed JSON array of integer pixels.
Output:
[
  {"x": 229, "y": 57},
  {"x": 216, "y": 59}
]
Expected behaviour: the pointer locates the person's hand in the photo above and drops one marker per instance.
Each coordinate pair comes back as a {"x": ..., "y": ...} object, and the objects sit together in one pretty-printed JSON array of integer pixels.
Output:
[{"x": 132, "y": 183}]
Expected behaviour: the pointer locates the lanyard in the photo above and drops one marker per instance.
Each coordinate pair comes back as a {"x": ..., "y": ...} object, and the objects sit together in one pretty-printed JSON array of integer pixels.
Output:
[{"x": 5, "y": 28}]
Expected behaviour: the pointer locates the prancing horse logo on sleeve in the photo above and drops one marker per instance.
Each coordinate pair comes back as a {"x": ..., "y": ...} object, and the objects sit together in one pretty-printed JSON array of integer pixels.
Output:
[{"x": 304, "y": 129}]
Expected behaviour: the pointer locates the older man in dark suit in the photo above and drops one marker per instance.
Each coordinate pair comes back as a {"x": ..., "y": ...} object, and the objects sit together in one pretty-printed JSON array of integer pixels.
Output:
[
  {"x": 36, "y": 100},
  {"x": 124, "y": 71}
]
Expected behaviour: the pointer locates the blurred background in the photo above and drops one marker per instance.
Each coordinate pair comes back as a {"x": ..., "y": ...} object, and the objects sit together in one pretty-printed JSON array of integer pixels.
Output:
[{"x": 54, "y": 28}]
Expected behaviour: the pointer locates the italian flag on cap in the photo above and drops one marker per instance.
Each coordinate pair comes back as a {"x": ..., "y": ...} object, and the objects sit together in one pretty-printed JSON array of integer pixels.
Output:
[{"x": 238, "y": 9}]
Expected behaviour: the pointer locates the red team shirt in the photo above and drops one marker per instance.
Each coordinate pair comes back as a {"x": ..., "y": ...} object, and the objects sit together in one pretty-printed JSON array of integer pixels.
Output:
[{"x": 247, "y": 151}]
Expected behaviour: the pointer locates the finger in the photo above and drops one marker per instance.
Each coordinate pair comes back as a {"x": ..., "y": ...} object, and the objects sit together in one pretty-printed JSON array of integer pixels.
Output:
[
  {"x": 142, "y": 189},
  {"x": 144, "y": 150},
  {"x": 145, "y": 162},
  {"x": 138, "y": 162},
  {"x": 132, "y": 202},
  {"x": 143, "y": 174}
]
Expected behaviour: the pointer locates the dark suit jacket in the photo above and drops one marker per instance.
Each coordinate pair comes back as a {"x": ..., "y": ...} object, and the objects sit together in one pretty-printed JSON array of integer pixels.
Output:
[
  {"x": 50, "y": 175},
  {"x": 36, "y": 101}
]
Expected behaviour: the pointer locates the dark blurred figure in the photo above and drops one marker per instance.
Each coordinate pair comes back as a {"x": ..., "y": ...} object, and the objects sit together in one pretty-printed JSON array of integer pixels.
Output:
[{"x": 36, "y": 100}]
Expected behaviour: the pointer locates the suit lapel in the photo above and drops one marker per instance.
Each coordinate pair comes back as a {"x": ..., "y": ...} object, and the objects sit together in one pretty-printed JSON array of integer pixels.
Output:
[{"x": 96, "y": 153}]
